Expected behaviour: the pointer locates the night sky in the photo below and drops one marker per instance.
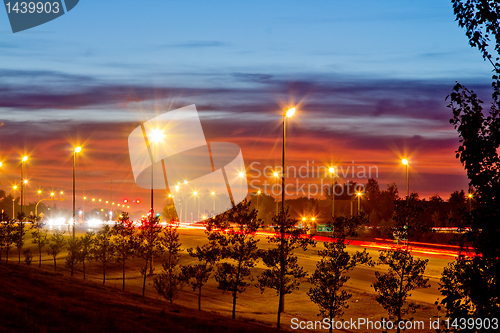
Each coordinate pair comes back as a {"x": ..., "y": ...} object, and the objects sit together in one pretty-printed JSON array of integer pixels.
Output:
[{"x": 369, "y": 79}]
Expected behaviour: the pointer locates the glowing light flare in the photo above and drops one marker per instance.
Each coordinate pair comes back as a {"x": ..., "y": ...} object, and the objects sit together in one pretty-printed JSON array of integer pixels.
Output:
[
  {"x": 404, "y": 161},
  {"x": 78, "y": 149},
  {"x": 25, "y": 158},
  {"x": 156, "y": 135},
  {"x": 290, "y": 112}
]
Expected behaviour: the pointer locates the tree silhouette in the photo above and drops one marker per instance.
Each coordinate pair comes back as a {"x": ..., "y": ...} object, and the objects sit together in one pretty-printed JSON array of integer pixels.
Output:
[
  {"x": 39, "y": 238},
  {"x": 479, "y": 133},
  {"x": 169, "y": 282},
  {"x": 283, "y": 270},
  {"x": 123, "y": 232},
  {"x": 196, "y": 275},
  {"x": 56, "y": 244},
  {"x": 331, "y": 271},
  {"x": 238, "y": 248},
  {"x": 147, "y": 243},
  {"x": 405, "y": 274},
  {"x": 104, "y": 250},
  {"x": 85, "y": 254}
]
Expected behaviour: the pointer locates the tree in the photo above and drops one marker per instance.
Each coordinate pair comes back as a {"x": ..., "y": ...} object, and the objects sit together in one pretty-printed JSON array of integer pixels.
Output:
[
  {"x": 196, "y": 275},
  {"x": 170, "y": 213},
  {"x": 123, "y": 231},
  {"x": 104, "y": 249},
  {"x": 56, "y": 244},
  {"x": 7, "y": 237},
  {"x": 479, "y": 135},
  {"x": 74, "y": 247},
  {"x": 147, "y": 243},
  {"x": 169, "y": 282},
  {"x": 283, "y": 270},
  {"x": 87, "y": 242},
  {"x": 405, "y": 274},
  {"x": 331, "y": 271},
  {"x": 39, "y": 238},
  {"x": 465, "y": 293},
  {"x": 408, "y": 218},
  {"x": 238, "y": 245},
  {"x": 19, "y": 238}
]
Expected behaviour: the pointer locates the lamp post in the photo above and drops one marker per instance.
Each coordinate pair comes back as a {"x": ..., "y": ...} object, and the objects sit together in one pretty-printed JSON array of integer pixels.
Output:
[
  {"x": 405, "y": 162},
  {"x": 470, "y": 201},
  {"x": 258, "y": 197},
  {"x": 286, "y": 114},
  {"x": 24, "y": 159},
  {"x": 276, "y": 175},
  {"x": 155, "y": 136},
  {"x": 13, "y": 201},
  {"x": 359, "y": 200},
  {"x": 76, "y": 150},
  {"x": 332, "y": 173}
]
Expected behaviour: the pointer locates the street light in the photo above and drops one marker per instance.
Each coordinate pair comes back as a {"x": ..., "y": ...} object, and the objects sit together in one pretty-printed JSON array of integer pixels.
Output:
[
  {"x": 287, "y": 114},
  {"x": 13, "y": 200},
  {"x": 359, "y": 200},
  {"x": 24, "y": 159},
  {"x": 77, "y": 150},
  {"x": 276, "y": 175},
  {"x": 156, "y": 135},
  {"x": 405, "y": 162},
  {"x": 332, "y": 174},
  {"x": 470, "y": 201}
]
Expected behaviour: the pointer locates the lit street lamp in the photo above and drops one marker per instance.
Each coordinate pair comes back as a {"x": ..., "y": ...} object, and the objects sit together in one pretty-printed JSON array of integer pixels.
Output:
[
  {"x": 24, "y": 159},
  {"x": 332, "y": 173},
  {"x": 276, "y": 175},
  {"x": 359, "y": 199},
  {"x": 405, "y": 162},
  {"x": 287, "y": 114},
  {"x": 470, "y": 196},
  {"x": 155, "y": 136},
  {"x": 77, "y": 150},
  {"x": 13, "y": 200}
]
